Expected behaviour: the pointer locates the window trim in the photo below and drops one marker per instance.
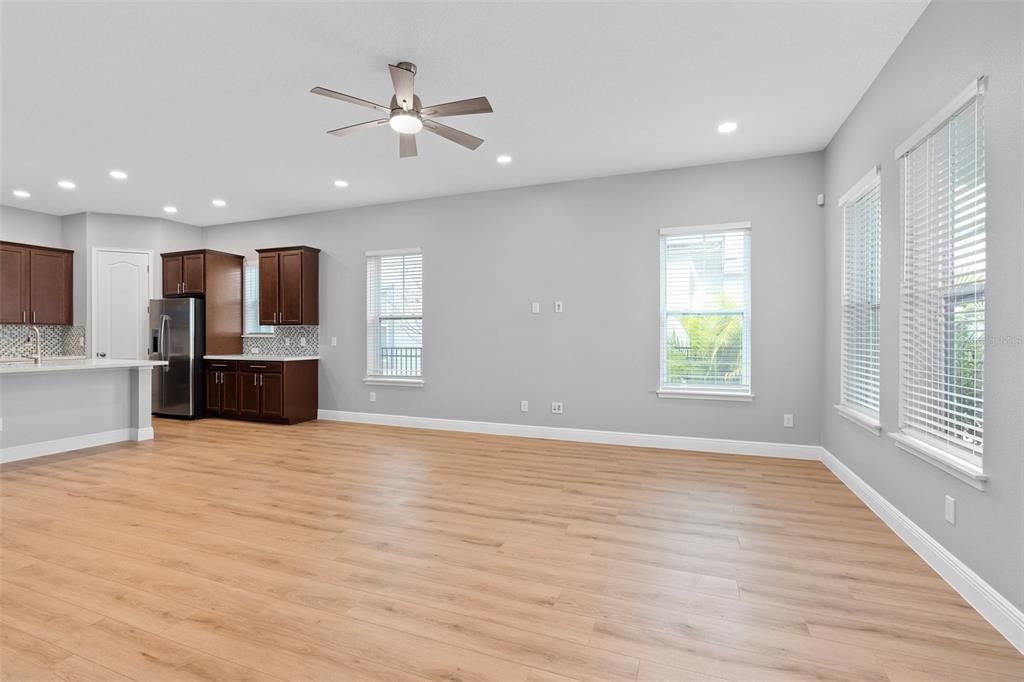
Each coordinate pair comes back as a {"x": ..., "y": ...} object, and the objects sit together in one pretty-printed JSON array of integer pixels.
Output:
[
  {"x": 938, "y": 454},
  {"x": 706, "y": 392},
  {"x": 391, "y": 380},
  {"x": 955, "y": 466},
  {"x": 859, "y": 415},
  {"x": 975, "y": 88}
]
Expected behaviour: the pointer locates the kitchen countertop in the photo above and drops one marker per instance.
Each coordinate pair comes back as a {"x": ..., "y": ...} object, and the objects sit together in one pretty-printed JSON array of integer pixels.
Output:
[
  {"x": 51, "y": 365},
  {"x": 262, "y": 358}
]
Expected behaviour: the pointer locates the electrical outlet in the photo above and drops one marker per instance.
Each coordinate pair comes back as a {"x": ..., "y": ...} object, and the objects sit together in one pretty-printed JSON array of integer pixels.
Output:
[
  {"x": 950, "y": 510},
  {"x": 535, "y": 307},
  {"x": 373, "y": 396},
  {"x": 334, "y": 340},
  {"x": 302, "y": 340},
  {"x": 81, "y": 342},
  {"x": 556, "y": 407},
  {"x": 524, "y": 405},
  {"x": 558, "y": 306},
  {"x": 287, "y": 341},
  {"x": 787, "y": 421}
]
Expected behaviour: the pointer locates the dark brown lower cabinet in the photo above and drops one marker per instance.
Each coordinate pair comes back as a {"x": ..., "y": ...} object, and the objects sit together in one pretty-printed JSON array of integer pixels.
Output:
[
  {"x": 281, "y": 392},
  {"x": 221, "y": 389}
]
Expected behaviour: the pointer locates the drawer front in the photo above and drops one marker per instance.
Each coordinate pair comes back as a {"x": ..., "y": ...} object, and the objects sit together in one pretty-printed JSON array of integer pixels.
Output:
[
  {"x": 222, "y": 365},
  {"x": 258, "y": 366}
]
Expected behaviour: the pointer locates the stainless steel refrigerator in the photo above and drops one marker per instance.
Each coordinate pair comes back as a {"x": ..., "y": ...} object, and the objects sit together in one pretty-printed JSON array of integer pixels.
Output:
[{"x": 177, "y": 334}]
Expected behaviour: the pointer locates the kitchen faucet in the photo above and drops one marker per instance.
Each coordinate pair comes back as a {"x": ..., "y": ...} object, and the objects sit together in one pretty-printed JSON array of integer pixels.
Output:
[{"x": 38, "y": 355}]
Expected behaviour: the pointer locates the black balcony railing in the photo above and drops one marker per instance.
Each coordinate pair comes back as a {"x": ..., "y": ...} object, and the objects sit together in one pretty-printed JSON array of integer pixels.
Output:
[{"x": 400, "y": 361}]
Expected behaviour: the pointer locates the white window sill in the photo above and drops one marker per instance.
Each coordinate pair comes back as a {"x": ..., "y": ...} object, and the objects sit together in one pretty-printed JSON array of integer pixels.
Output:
[
  {"x": 393, "y": 381},
  {"x": 689, "y": 394},
  {"x": 969, "y": 473},
  {"x": 861, "y": 419}
]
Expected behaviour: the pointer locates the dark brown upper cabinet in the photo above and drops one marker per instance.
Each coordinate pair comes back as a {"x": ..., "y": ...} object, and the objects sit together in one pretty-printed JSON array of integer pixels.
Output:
[
  {"x": 217, "y": 277},
  {"x": 185, "y": 273},
  {"x": 36, "y": 285},
  {"x": 290, "y": 285}
]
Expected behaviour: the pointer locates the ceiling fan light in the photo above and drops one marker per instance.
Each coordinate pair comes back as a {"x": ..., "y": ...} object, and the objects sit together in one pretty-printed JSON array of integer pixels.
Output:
[{"x": 405, "y": 123}]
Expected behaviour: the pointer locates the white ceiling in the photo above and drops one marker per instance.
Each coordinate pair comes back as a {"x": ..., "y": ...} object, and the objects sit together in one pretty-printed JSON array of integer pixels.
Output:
[{"x": 203, "y": 100}]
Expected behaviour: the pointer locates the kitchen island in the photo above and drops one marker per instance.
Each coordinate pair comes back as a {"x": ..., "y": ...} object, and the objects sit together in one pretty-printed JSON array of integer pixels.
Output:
[{"x": 66, "y": 404}]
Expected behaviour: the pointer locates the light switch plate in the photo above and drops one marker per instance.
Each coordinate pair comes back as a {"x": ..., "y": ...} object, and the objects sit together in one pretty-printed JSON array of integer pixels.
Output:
[
  {"x": 373, "y": 396},
  {"x": 524, "y": 405},
  {"x": 558, "y": 306},
  {"x": 334, "y": 340},
  {"x": 787, "y": 421},
  {"x": 950, "y": 510},
  {"x": 535, "y": 307}
]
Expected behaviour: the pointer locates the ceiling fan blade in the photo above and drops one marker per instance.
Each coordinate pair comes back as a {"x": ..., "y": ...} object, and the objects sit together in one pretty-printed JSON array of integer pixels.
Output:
[
  {"x": 403, "y": 82},
  {"x": 477, "y": 105},
  {"x": 348, "y": 98},
  {"x": 347, "y": 130},
  {"x": 406, "y": 145},
  {"x": 465, "y": 139}
]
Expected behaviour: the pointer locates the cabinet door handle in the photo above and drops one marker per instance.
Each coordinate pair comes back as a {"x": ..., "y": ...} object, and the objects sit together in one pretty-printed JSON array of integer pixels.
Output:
[
  {"x": 221, "y": 377},
  {"x": 24, "y": 316},
  {"x": 261, "y": 380},
  {"x": 258, "y": 366},
  {"x": 33, "y": 317},
  {"x": 254, "y": 379}
]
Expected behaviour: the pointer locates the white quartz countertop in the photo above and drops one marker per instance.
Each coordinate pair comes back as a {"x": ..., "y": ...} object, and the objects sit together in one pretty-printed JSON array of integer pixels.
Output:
[
  {"x": 262, "y": 358},
  {"x": 50, "y": 365}
]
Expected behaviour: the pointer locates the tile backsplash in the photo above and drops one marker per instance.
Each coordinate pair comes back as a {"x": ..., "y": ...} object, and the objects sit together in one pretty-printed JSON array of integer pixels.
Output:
[
  {"x": 55, "y": 340},
  {"x": 285, "y": 341}
]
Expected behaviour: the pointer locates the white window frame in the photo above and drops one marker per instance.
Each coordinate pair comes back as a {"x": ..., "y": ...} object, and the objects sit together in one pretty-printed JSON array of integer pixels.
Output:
[
  {"x": 376, "y": 379},
  {"x": 264, "y": 329},
  {"x": 858, "y": 414},
  {"x": 706, "y": 392},
  {"x": 967, "y": 469}
]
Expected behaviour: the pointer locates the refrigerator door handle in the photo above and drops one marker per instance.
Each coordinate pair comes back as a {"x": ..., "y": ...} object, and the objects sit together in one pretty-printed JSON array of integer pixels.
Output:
[{"x": 162, "y": 349}]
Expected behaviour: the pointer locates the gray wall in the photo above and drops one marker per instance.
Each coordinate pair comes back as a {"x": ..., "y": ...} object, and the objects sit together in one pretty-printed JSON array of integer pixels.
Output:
[
  {"x": 29, "y": 227},
  {"x": 951, "y": 44},
  {"x": 594, "y": 245}
]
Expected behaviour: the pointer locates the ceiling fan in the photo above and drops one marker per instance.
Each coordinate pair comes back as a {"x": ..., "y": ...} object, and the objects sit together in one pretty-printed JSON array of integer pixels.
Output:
[{"x": 407, "y": 116}]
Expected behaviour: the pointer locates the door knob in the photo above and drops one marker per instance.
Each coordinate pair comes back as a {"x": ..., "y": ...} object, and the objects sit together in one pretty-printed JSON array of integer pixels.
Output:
[{"x": 101, "y": 354}]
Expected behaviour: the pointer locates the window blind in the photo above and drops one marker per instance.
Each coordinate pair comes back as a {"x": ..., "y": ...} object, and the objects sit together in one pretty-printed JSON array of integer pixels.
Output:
[
  {"x": 251, "y": 300},
  {"x": 705, "y": 309},
  {"x": 943, "y": 310},
  {"x": 862, "y": 242},
  {"x": 394, "y": 314}
]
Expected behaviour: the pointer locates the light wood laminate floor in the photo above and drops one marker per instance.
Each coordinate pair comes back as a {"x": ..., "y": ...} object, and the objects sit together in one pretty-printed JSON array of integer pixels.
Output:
[{"x": 323, "y": 551}]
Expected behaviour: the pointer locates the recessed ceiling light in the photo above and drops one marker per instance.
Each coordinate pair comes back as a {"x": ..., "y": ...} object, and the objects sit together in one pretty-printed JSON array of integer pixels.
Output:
[
  {"x": 65, "y": 184},
  {"x": 118, "y": 175},
  {"x": 504, "y": 158},
  {"x": 727, "y": 127},
  {"x": 340, "y": 183},
  {"x": 21, "y": 194},
  {"x": 219, "y": 203},
  {"x": 170, "y": 209}
]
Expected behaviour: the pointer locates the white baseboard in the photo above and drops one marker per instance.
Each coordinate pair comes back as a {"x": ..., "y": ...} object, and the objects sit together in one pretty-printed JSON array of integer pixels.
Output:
[
  {"x": 52, "y": 447},
  {"x": 993, "y": 607},
  {"x": 141, "y": 434},
  {"x": 643, "y": 440}
]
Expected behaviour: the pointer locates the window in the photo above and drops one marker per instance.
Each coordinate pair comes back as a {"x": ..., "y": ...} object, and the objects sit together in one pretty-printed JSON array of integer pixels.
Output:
[
  {"x": 862, "y": 242},
  {"x": 705, "y": 311},
  {"x": 394, "y": 316},
  {"x": 251, "y": 305},
  {"x": 943, "y": 311}
]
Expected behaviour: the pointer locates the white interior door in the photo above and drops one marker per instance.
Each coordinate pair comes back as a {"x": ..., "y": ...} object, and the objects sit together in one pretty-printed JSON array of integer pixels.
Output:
[{"x": 122, "y": 300}]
